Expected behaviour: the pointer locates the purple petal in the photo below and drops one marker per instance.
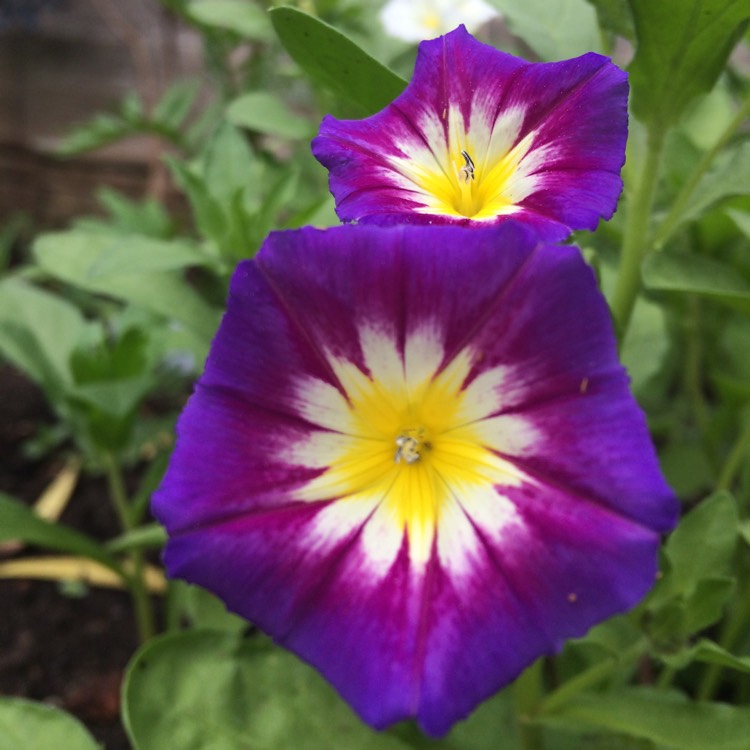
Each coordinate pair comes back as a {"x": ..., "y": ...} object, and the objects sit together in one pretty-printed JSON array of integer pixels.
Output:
[
  {"x": 559, "y": 128},
  {"x": 413, "y": 459}
]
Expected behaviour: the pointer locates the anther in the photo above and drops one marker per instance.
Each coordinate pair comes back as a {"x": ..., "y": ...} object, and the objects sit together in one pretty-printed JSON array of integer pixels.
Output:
[
  {"x": 408, "y": 449},
  {"x": 468, "y": 169}
]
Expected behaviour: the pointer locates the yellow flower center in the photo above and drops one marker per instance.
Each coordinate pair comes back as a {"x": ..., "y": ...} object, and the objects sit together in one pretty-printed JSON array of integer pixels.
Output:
[
  {"x": 409, "y": 447},
  {"x": 477, "y": 171},
  {"x": 472, "y": 187}
]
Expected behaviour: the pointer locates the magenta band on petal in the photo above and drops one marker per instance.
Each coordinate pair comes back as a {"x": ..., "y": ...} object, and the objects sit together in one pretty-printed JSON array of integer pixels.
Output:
[
  {"x": 479, "y": 137},
  {"x": 413, "y": 459}
]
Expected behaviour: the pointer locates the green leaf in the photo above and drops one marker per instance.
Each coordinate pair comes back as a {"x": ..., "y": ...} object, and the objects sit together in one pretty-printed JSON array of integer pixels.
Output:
[
  {"x": 666, "y": 718},
  {"x": 741, "y": 220},
  {"x": 682, "y": 48},
  {"x": 133, "y": 253},
  {"x": 729, "y": 176},
  {"x": 19, "y": 522},
  {"x": 706, "y": 605},
  {"x": 148, "y": 217},
  {"x": 207, "y": 212},
  {"x": 710, "y": 653},
  {"x": 615, "y": 16},
  {"x": 100, "y": 131},
  {"x": 686, "y": 466},
  {"x": 696, "y": 274},
  {"x": 265, "y": 112},
  {"x": 229, "y": 166},
  {"x": 703, "y": 543},
  {"x": 75, "y": 256},
  {"x": 174, "y": 106},
  {"x": 698, "y": 580},
  {"x": 555, "y": 29},
  {"x": 201, "y": 689},
  {"x": 242, "y": 17},
  {"x": 105, "y": 360},
  {"x": 151, "y": 536},
  {"x": 646, "y": 343},
  {"x": 336, "y": 62},
  {"x": 201, "y": 609},
  {"x": 38, "y": 332},
  {"x": 26, "y": 725}
]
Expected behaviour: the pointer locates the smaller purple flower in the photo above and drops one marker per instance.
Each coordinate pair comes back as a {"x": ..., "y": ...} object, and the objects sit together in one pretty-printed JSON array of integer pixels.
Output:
[
  {"x": 413, "y": 459},
  {"x": 480, "y": 136}
]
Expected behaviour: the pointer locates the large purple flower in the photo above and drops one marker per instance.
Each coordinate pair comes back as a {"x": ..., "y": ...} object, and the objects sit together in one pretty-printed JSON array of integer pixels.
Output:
[
  {"x": 414, "y": 460},
  {"x": 479, "y": 136}
]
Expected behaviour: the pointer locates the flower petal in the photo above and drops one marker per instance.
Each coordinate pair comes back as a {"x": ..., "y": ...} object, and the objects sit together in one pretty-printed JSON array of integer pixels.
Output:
[
  {"x": 546, "y": 142},
  {"x": 413, "y": 459},
  {"x": 414, "y": 20}
]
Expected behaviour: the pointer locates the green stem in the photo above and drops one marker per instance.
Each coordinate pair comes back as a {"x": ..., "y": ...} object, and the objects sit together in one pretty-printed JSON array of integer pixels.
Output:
[
  {"x": 666, "y": 678},
  {"x": 527, "y": 695},
  {"x": 672, "y": 219},
  {"x": 735, "y": 460},
  {"x": 636, "y": 241},
  {"x": 117, "y": 491},
  {"x": 593, "y": 676},
  {"x": 136, "y": 582}
]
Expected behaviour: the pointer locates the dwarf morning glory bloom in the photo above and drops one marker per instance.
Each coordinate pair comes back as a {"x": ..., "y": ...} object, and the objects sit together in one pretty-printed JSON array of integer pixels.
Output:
[
  {"x": 414, "y": 20},
  {"x": 479, "y": 136},
  {"x": 413, "y": 459}
]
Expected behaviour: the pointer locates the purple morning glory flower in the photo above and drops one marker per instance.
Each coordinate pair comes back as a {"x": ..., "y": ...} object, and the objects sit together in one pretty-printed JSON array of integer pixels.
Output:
[
  {"x": 413, "y": 459},
  {"x": 480, "y": 136}
]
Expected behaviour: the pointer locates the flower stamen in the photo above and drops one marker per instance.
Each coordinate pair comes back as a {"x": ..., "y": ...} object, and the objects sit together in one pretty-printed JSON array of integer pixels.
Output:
[
  {"x": 409, "y": 444},
  {"x": 468, "y": 169}
]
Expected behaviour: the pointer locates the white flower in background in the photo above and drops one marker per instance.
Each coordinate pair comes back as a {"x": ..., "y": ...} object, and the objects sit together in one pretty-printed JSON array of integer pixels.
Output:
[{"x": 415, "y": 20}]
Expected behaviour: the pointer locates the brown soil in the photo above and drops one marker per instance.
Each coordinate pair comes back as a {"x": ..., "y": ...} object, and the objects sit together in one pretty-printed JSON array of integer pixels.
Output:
[{"x": 65, "y": 649}]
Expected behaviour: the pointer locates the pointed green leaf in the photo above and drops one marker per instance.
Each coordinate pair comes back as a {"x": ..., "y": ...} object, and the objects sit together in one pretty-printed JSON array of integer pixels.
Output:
[
  {"x": 133, "y": 253},
  {"x": 729, "y": 176},
  {"x": 615, "y": 16},
  {"x": 27, "y": 725},
  {"x": 174, "y": 106},
  {"x": 696, "y": 274},
  {"x": 682, "y": 48},
  {"x": 229, "y": 165},
  {"x": 710, "y": 653},
  {"x": 666, "y": 718},
  {"x": 38, "y": 332},
  {"x": 19, "y": 522},
  {"x": 554, "y": 29},
  {"x": 243, "y": 17},
  {"x": 703, "y": 543},
  {"x": 333, "y": 60},
  {"x": 265, "y": 112},
  {"x": 75, "y": 256}
]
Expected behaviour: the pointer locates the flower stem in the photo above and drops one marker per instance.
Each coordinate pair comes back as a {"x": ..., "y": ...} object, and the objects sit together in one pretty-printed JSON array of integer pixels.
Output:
[
  {"x": 527, "y": 694},
  {"x": 558, "y": 698},
  {"x": 144, "y": 615},
  {"x": 672, "y": 219},
  {"x": 735, "y": 460},
  {"x": 636, "y": 239}
]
